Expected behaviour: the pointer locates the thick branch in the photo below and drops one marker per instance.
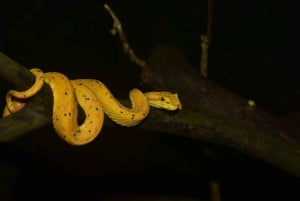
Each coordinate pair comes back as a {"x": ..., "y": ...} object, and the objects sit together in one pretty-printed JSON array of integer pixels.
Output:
[
  {"x": 37, "y": 112},
  {"x": 281, "y": 153},
  {"x": 14, "y": 73},
  {"x": 167, "y": 69}
]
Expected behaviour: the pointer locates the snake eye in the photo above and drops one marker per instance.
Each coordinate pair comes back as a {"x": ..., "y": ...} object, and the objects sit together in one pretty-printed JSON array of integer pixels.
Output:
[{"x": 162, "y": 98}]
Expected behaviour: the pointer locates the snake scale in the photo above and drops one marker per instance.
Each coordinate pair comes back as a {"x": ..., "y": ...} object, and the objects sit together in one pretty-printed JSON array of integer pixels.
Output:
[{"x": 94, "y": 98}]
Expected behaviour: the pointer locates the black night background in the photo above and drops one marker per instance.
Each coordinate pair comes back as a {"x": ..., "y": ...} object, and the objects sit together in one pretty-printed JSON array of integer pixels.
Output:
[{"x": 253, "y": 54}]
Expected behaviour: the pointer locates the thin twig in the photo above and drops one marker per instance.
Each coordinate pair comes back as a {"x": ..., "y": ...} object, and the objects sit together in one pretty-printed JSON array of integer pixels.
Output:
[
  {"x": 210, "y": 20},
  {"x": 215, "y": 190},
  {"x": 117, "y": 28},
  {"x": 204, "y": 56},
  {"x": 206, "y": 40}
]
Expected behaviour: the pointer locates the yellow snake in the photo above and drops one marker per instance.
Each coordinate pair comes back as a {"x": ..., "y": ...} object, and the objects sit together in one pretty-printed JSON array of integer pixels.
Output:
[{"x": 94, "y": 98}]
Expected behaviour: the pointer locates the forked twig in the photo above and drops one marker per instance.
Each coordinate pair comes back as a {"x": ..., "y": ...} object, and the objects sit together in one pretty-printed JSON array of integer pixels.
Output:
[{"x": 117, "y": 28}]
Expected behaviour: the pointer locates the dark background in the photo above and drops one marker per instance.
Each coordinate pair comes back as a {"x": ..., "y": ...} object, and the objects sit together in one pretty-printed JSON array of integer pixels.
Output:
[{"x": 253, "y": 54}]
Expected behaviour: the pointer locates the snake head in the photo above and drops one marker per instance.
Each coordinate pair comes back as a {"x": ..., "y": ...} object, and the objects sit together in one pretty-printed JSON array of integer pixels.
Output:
[{"x": 164, "y": 100}]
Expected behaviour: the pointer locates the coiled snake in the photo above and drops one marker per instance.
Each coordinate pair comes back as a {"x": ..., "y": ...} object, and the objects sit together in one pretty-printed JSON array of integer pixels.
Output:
[{"x": 94, "y": 98}]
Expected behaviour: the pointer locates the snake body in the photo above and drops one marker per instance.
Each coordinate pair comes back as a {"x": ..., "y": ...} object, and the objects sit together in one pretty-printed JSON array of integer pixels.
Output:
[{"x": 95, "y": 99}]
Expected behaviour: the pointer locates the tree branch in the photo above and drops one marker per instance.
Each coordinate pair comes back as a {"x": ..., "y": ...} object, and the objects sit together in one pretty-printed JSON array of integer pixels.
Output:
[
  {"x": 37, "y": 112},
  {"x": 117, "y": 28},
  {"x": 15, "y": 74}
]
